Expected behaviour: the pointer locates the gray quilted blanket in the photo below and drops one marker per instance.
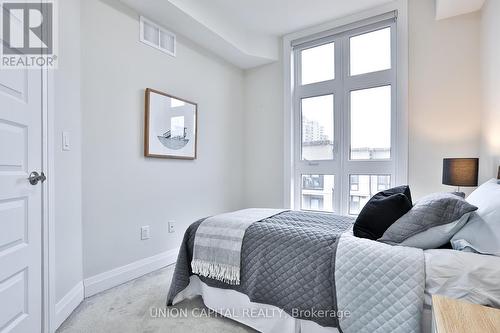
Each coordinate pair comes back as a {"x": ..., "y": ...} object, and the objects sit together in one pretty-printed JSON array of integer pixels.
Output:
[
  {"x": 287, "y": 261},
  {"x": 309, "y": 263}
]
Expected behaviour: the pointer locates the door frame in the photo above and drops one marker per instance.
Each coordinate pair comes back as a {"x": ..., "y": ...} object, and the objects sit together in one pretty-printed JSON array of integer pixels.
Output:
[
  {"x": 48, "y": 198},
  {"x": 48, "y": 216}
]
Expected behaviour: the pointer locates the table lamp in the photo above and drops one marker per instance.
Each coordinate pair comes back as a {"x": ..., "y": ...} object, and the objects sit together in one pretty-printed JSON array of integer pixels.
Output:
[{"x": 460, "y": 172}]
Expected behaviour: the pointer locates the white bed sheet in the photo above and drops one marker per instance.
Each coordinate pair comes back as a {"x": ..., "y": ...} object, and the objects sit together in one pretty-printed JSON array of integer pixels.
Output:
[
  {"x": 462, "y": 275},
  {"x": 226, "y": 301}
]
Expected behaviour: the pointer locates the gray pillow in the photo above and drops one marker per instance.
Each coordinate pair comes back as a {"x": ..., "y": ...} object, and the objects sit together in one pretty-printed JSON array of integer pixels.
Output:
[
  {"x": 431, "y": 211},
  {"x": 436, "y": 237}
]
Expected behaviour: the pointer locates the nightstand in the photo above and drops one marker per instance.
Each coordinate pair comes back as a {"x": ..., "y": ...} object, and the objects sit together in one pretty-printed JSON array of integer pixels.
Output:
[{"x": 453, "y": 316}]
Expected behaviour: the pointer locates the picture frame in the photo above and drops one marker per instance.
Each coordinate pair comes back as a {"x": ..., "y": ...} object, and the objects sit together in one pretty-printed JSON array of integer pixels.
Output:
[{"x": 171, "y": 126}]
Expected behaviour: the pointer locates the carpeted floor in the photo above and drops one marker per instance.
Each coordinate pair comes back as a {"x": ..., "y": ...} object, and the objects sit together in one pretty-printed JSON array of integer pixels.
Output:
[{"x": 127, "y": 309}]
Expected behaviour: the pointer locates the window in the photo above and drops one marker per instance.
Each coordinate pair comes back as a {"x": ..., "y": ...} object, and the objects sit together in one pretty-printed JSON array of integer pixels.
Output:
[
  {"x": 366, "y": 186},
  {"x": 313, "y": 182},
  {"x": 345, "y": 116},
  {"x": 317, "y": 127},
  {"x": 354, "y": 207},
  {"x": 324, "y": 54},
  {"x": 354, "y": 183},
  {"x": 371, "y": 123},
  {"x": 317, "y": 192},
  {"x": 383, "y": 183},
  {"x": 378, "y": 43}
]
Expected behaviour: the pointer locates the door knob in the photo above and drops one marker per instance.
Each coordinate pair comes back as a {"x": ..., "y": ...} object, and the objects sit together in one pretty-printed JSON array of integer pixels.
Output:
[{"x": 35, "y": 177}]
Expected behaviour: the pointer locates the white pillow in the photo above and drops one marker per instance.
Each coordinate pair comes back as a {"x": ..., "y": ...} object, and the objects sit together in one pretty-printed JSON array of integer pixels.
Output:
[
  {"x": 435, "y": 237},
  {"x": 482, "y": 233}
]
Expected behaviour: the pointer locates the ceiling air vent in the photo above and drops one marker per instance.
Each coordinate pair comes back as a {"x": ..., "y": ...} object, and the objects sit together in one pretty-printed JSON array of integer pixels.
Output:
[{"x": 155, "y": 36}]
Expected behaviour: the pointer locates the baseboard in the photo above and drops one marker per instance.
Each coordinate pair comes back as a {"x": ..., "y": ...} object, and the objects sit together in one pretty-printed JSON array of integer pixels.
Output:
[
  {"x": 68, "y": 304},
  {"x": 100, "y": 282}
]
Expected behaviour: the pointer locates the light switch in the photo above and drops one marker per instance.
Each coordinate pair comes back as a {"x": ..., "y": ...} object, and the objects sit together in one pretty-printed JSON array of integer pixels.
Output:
[{"x": 66, "y": 142}]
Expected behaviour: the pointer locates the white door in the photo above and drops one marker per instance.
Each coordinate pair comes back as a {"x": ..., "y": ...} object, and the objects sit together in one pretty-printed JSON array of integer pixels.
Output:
[{"x": 20, "y": 201}]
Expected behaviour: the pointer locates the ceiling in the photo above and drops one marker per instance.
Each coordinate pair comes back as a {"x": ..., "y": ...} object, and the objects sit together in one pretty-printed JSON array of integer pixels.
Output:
[
  {"x": 247, "y": 33},
  {"x": 274, "y": 17},
  {"x": 244, "y": 32},
  {"x": 449, "y": 8}
]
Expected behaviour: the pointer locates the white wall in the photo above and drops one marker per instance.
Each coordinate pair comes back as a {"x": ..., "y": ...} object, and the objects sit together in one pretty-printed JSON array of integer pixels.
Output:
[
  {"x": 444, "y": 113},
  {"x": 445, "y": 101},
  {"x": 264, "y": 145},
  {"x": 123, "y": 190},
  {"x": 68, "y": 164},
  {"x": 490, "y": 86}
]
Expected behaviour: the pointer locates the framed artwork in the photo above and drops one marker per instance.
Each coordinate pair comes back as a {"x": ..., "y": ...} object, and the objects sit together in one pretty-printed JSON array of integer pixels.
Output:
[{"x": 171, "y": 126}]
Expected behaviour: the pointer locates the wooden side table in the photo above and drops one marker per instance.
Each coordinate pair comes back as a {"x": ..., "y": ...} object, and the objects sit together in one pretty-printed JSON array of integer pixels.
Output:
[{"x": 454, "y": 316}]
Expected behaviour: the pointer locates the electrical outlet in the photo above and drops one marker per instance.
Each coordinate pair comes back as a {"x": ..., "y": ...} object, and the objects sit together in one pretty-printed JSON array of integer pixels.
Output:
[
  {"x": 171, "y": 227},
  {"x": 145, "y": 232}
]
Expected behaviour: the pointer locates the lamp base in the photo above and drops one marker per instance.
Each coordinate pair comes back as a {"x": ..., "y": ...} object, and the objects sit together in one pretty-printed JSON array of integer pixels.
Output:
[{"x": 460, "y": 194}]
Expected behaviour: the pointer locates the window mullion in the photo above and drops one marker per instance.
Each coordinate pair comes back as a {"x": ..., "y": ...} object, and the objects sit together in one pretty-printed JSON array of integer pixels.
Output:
[
  {"x": 344, "y": 117},
  {"x": 395, "y": 121}
]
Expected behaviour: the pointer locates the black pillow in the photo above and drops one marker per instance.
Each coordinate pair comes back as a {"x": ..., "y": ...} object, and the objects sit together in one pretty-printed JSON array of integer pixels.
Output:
[{"x": 381, "y": 211}]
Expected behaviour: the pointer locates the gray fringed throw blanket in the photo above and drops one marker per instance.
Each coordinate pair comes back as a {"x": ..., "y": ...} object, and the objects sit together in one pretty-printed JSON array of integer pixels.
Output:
[
  {"x": 287, "y": 261},
  {"x": 218, "y": 240}
]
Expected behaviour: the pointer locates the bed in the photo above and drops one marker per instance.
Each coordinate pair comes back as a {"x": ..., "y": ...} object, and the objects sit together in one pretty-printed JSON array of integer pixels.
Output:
[
  {"x": 298, "y": 261},
  {"x": 472, "y": 277}
]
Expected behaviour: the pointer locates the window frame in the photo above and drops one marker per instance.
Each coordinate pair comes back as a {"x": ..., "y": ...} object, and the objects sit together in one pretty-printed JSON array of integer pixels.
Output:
[{"x": 397, "y": 76}]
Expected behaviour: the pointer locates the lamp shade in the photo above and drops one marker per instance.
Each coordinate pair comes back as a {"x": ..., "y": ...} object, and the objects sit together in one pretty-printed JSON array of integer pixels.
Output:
[{"x": 460, "y": 171}]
